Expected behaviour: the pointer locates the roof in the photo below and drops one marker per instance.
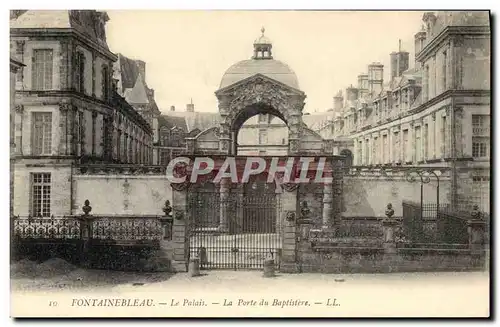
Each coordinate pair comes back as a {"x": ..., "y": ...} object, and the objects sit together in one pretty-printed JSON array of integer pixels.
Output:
[
  {"x": 121, "y": 104},
  {"x": 131, "y": 83},
  {"x": 137, "y": 94},
  {"x": 271, "y": 68},
  {"x": 88, "y": 22}
]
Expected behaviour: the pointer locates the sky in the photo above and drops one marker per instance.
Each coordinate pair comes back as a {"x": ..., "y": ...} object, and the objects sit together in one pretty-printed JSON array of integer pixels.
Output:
[{"x": 187, "y": 52}]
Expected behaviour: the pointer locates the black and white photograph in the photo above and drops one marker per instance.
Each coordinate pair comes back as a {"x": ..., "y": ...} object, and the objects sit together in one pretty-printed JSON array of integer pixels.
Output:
[{"x": 259, "y": 163}]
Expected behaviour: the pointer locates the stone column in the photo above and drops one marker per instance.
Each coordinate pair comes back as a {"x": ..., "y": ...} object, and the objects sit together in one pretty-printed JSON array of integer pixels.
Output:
[
  {"x": 389, "y": 225},
  {"x": 327, "y": 205},
  {"x": 289, "y": 239},
  {"x": 225, "y": 189},
  {"x": 180, "y": 237},
  {"x": 476, "y": 229}
]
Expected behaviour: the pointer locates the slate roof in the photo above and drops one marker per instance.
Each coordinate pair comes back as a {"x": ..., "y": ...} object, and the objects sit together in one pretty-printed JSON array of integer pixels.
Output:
[{"x": 83, "y": 21}]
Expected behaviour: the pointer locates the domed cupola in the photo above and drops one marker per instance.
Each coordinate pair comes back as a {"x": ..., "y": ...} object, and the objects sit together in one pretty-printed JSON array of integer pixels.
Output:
[
  {"x": 262, "y": 47},
  {"x": 262, "y": 62}
]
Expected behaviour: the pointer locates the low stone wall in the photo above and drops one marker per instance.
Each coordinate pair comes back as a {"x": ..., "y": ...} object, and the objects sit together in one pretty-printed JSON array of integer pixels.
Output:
[{"x": 374, "y": 260}]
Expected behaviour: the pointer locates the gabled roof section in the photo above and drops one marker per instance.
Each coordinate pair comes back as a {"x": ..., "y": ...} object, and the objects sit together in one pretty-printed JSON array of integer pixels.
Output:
[
  {"x": 255, "y": 77},
  {"x": 138, "y": 94}
]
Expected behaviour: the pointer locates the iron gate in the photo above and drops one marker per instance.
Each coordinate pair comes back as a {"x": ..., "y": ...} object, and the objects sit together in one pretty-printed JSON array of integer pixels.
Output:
[{"x": 252, "y": 230}]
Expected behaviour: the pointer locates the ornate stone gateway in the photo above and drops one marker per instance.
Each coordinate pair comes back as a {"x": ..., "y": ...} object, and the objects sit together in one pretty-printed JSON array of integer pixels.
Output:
[
  {"x": 235, "y": 225},
  {"x": 249, "y": 233}
]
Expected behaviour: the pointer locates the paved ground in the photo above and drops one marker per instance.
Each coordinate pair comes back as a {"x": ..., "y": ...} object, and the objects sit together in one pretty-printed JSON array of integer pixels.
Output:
[{"x": 250, "y": 294}]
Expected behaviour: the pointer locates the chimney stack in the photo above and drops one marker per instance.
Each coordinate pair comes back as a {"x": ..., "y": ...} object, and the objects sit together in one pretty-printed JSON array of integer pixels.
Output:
[
  {"x": 338, "y": 101},
  {"x": 141, "y": 65},
  {"x": 399, "y": 62},
  {"x": 172, "y": 108},
  {"x": 420, "y": 39},
  {"x": 190, "y": 106},
  {"x": 375, "y": 77}
]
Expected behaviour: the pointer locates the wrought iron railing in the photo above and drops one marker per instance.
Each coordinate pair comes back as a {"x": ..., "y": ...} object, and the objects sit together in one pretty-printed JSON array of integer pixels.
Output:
[
  {"x": 127, "y": 228},
  {"x": 116, "y": 228},
  {"x": 124, "y": 169},
  {"x": 64, "y": 227}
]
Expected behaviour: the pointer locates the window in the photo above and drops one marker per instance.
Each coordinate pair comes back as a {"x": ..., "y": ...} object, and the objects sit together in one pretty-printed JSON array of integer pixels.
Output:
[
  {"x": 118, "y": 145},
  {"x": 367, "y": 151},
  {"x": 94, "y": 118},
  {"x": 263, "y": 118},
  {"x": 42, "y": 69},
  {"x": 80, "y": 72},
  {"x": 443, "y": 137},
  {"x": 395, "y": 147},
  {"x": 40, "y": 205},
  {"x": 426, "y": 83},
  {"x": 262, "y": 137},
  {"x": 405, "y": 146},
  {"x": 480, "y": 146},
  {"x": 41, "y": 133},
  {"x": 384, "y": 149},
  {"x": 480, "y": 125},
  {"x": 444, "y": 71},
  {"x": 360, "y": 153},
  {"x": 105, "y": 83},
  {"x": 375, "y": 150},
  {"x": 481, "y": 192},
  {"x": 80, "y": 134},
  {"x": 426, "y": 141},
  {"x": 418, "y": 144}
]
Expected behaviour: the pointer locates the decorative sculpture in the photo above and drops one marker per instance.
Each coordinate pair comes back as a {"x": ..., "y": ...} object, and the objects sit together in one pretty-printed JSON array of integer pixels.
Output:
[{"x": 86, "y": 207}]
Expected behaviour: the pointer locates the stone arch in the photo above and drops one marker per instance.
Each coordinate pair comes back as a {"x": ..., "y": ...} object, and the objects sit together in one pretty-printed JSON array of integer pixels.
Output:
[{"x": 254, "y": 95}]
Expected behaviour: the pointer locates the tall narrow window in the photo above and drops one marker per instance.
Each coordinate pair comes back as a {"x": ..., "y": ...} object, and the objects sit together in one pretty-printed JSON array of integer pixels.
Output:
[
  {"x": 418, "y": 144},
  {"x": 80, "y": 72},
  {"x": 443, "y": 137},
  {"x": 426, "y": 141},
  {"x": 374, "y": 151},
  {"x": 41, "y": 133},
  {"x": 426, "y": 83},
  {"x": 385, "y": 148},
  {"x": 405, "y": 146},
  {"x": 42, "y": 69},
  {"x": 359, "y": 153},
  {"x": 40, "y": 197},
  {"x": 444, "y": 70},
  {"x": 395, "y": 146},
  {"x": 94, "y": 119},
  {"x": 118, "y": 145},
  {"x": 105, "y": 83},
  {"x": 81, "y": 136}
]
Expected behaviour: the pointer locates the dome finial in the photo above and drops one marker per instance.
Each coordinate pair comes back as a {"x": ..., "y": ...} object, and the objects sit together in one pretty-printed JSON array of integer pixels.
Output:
[{"x": 263, "y": 29}]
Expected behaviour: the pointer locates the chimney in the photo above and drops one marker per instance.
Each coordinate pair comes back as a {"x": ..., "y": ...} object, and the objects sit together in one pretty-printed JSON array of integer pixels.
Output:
[
  {"x": 151, "y": 93},
  {"x": 190, "y": 106},
  {"x": 362, "y": 85},
  {"x": 172, "y": 108},
  {"x": 141, "y": 65},
  {"x": 399, "y": 62},
  {"x": 338, "y": 100},
  {"x": 351, "y": 93},
  {"x": 375, "y": 77},
  {"x": 420, "y": 39}
]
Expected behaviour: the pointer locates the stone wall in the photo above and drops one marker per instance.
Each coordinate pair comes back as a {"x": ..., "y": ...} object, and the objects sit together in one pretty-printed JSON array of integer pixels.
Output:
[
  {"x": 373, "y": 260},
  {"x": 365, "y": 196},
  {"x": 121, "y": 194}
]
